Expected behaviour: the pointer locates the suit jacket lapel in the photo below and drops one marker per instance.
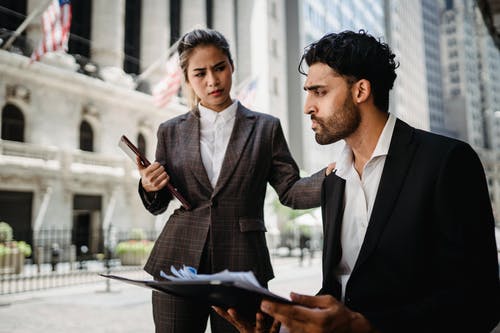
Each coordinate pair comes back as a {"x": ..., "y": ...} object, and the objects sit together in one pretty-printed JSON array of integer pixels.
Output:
[
  {"x": 189, "y": 137},
  {"x": 398, "y": 160},
  {"x": 243, "y": 126},
  {"x": 332, "y": 212}
]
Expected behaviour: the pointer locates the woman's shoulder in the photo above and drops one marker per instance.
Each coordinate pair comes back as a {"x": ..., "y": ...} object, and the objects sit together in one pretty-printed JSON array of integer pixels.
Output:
[
  {"x": 174, "y": 121},
  {"x": 261, "y": 116}
]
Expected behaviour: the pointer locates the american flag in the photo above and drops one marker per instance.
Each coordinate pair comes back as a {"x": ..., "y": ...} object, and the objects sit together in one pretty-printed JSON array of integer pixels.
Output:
[
  {"x": 164, "y": 90},
  {"x": 56, "y": 22},
  {"x": 246, "y": 93}
]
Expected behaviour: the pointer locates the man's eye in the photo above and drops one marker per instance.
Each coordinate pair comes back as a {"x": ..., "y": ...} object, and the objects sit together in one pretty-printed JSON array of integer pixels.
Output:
[
  {"x": 201, "y": 74},
  {"x": 220, "y": 68}
]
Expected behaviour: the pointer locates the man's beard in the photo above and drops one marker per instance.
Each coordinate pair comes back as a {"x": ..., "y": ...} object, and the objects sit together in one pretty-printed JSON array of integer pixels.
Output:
[{"x": 339, "y": 125}]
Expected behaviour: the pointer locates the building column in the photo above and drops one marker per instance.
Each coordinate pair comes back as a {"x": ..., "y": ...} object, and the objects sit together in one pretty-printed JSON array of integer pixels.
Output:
[
  {"x": 224, "y": 22},
  {"x": 34, "y": 29},
  {"x": 108, "y": 33},
  {"x": 155, "y": 34},
  {"x": 193, "y": 14}
]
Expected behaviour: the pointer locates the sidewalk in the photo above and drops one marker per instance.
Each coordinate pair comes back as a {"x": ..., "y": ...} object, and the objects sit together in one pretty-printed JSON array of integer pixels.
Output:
[{"x": 125, "y": 308}]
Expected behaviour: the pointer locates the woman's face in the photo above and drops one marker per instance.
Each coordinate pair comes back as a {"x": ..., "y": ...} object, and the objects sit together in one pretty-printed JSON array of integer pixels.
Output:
[{"x": 209, "y": 74}]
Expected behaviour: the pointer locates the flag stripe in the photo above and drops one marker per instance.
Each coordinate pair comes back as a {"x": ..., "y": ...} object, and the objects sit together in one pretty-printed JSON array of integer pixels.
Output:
[
  {"x": 164, "y": 90},
  {"x": 56, "y": 24}
]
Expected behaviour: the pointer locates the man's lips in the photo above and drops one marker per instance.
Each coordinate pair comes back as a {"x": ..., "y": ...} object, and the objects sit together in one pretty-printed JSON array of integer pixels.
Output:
[{"x": 314, "y": 124}]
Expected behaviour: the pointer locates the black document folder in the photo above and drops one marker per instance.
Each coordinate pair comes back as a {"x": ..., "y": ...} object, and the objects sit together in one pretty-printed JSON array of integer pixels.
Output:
[{"x": 244, "y": 297}]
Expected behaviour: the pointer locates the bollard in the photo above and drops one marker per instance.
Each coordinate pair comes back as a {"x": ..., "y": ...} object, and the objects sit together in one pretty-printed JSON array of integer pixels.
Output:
[
  {"x": 83, "y": 251},
  {"x": 55, "y": 251},
  {"x": 72, "y": 256},
  {"x": 39, "y": 258}
]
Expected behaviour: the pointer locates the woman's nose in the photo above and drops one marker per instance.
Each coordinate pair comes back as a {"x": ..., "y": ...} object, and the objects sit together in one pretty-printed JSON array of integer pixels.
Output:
[{"x": 212, "y": 79}]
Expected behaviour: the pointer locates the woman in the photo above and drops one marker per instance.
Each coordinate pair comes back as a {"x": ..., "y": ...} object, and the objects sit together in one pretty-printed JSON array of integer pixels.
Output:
[{"x": 220, "y": 156}]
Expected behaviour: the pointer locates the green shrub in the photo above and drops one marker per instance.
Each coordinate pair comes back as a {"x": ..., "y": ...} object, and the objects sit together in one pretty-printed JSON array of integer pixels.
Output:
[
  {"x": 137, "y": 234},
  {"x": 138, "y": 247},
  {"x": 5, "y": 232},
  {"x": 7, "y": 244}
]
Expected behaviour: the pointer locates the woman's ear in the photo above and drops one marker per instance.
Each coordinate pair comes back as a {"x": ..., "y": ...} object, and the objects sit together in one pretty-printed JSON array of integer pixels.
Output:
[{"x": 362, "y": 90}]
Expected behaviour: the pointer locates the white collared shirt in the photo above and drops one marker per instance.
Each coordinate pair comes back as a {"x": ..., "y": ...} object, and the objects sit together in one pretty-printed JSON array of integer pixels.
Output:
[
  {"x": 359, "y": 197},
  {"x": 215, "y": 130}
]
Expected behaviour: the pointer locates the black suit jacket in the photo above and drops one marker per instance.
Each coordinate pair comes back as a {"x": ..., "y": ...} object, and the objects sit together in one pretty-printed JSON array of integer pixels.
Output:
[{"x": 428, "y": 262}]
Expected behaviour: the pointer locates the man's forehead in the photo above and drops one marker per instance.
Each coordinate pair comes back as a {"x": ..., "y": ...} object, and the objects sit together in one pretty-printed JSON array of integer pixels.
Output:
[{"x": 319, "y": 73}]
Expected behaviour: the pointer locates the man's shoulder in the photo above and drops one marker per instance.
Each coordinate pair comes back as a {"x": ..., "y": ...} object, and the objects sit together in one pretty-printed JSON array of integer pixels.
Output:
[{"x": 432, "y": 139}]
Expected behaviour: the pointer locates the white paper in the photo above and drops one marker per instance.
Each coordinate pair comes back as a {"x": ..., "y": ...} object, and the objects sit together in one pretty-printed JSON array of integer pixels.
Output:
[{"x": 189, "y": 273}]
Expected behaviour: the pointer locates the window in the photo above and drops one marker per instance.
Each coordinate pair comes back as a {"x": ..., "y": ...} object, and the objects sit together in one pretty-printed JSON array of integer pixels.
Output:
[
  {"x": 12, "y": 14},
  {"x": 79, "y": 39},
  {"x": 12, "y": 123},
  {"x": 131, "y": 63},
  {"x": 210, "y": 14},
  {"x": 86, "y": 137},
  {"x": 175, "y": 21}
]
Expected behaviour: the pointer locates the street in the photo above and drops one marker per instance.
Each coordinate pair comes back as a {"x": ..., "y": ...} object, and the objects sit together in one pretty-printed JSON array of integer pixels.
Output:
[{"x": 123, "y": 308}]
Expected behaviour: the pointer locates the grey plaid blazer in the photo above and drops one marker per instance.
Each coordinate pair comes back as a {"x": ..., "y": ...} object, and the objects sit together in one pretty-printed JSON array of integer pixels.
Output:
[{"x": 230, "y": 217}]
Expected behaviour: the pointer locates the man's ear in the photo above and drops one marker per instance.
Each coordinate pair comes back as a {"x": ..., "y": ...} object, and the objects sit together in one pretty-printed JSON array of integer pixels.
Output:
[{"x": 362, "y": 90}]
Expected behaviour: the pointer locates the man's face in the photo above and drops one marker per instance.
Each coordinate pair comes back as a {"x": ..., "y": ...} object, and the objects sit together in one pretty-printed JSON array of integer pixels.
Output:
[{"x": 330, "y": 104}]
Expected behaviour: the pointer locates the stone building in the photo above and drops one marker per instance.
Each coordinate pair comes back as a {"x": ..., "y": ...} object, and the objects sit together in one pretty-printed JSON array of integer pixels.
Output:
[{"x": 62, "y": 117}]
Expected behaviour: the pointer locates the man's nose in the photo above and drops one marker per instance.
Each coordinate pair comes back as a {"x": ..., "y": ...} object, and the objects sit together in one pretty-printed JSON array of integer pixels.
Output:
[{"x": 308, "y": 107}]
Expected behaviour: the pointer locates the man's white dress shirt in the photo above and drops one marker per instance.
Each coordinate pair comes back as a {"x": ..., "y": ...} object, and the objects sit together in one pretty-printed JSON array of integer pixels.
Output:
[{"x": 359, "y": 197}]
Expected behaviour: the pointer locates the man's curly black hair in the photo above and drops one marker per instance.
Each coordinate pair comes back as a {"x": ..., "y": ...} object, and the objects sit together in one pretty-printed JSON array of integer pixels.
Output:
[{"x": 356, "y": 56}]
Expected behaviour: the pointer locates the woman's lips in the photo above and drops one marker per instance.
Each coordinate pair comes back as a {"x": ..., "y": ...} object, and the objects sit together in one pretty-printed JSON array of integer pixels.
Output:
[{"x": 216, "y": 93}]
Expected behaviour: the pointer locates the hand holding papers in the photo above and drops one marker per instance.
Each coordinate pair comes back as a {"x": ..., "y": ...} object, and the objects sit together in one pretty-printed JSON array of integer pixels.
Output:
[
  {"x": 239, "y": 290},
  {"x": 132, "y": 151}
]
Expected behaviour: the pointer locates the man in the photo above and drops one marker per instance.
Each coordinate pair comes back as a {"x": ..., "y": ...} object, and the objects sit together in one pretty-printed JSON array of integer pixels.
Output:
[{"x": 408, "y": 226}]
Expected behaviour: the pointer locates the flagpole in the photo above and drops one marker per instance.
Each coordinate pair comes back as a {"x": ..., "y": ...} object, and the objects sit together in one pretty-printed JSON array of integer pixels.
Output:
[
  {"x": 25, "y": 23},
  {"x": 157, "y": 63}
]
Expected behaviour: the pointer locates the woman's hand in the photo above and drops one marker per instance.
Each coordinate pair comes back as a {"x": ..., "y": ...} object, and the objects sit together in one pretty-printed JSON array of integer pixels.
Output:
[
  {"x": 261, "y": 324},
  {"x": 154, "y": 177},
  {"x": 330, "y": 168}
]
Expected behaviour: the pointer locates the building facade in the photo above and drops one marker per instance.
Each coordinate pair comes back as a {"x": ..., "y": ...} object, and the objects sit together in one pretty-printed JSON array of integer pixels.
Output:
[{"x": 62, "y": 117}]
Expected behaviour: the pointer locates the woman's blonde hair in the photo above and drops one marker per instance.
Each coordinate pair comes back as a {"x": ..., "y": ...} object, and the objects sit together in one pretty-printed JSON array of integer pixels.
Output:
[{"x": 186, "y": 46}]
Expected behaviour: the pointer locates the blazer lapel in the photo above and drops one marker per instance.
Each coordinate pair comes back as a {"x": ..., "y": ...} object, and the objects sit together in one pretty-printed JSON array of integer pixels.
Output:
[
  {"x": 332, "y": 213},
  {"x": 243, "y": 126},
  {"x": 398, "y": 160},
  {"x": 189, "y": 137}
]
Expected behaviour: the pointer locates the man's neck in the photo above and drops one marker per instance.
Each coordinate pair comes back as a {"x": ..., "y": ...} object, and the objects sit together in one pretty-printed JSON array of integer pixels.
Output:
[{"x": 365, "y": 139}]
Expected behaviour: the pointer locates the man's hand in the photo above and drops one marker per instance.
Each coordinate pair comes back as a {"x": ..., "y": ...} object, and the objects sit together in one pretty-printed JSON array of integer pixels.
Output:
[
  {"x": 153, "y": 177},
  {"x": 316, "y": 314},
  {"x": 243, "y": 326}
]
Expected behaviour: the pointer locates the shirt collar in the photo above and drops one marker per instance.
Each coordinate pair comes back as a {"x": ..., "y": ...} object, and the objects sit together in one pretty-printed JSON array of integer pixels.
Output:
[
  {"x": 344, "y": 162},
  {"x": 225, "y": 114},
  {"x": 384, "y": 141}
]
